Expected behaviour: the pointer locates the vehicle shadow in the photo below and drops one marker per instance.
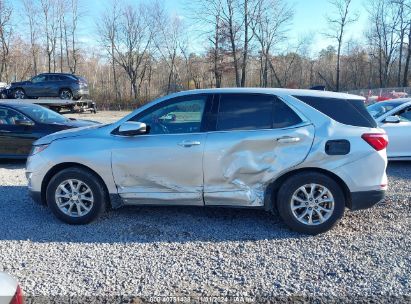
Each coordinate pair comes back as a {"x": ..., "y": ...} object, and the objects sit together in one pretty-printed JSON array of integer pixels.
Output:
[
  {"x": 12, "y": 163},
  {"x": 22, "y": 219},
  {"x": 401, "y": 169}
]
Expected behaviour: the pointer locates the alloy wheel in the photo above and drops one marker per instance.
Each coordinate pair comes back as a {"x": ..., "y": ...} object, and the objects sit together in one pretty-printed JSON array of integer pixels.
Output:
[
  {"x": 312, "y": 204},
  {"x": 74, "y": 198},
  {"x": 19, "y": 94},
  {"x": 65, "y": 94}
]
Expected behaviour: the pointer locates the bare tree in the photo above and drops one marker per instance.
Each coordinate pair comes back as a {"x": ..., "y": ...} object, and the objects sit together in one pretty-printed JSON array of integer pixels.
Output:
[
  {"x": 269, "y": 23},
  {"x": 231, "y": 30},
  {"x": 108, "y": 28},
  {"x": 70, "y": 33},
  {"x": 5, "y": 36},
  {"x": 338, "y": 25},
  {"x": 169, "y": 42},
  {"x": 405, "y": 30},
  {"x": 383, "y": 36},
  {"x": 248, "y": 36},
  {"x": 133, "y": 41},
  {"x": 50, "y": 23},
  {"x": 208, "y": 18},
  {"x": 31, "y": 12}
]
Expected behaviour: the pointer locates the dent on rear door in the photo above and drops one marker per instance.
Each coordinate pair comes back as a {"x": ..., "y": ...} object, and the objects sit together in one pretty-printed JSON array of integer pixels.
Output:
[{"x": 238, "y": 166}]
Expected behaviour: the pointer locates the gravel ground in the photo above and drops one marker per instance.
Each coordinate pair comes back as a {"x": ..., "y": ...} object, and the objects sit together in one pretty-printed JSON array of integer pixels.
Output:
[{"x": 244, "y": 255}]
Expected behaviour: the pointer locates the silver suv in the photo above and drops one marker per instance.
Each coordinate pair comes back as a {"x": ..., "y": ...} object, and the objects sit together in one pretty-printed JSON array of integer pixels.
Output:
[{"x": 307, "y": 154}]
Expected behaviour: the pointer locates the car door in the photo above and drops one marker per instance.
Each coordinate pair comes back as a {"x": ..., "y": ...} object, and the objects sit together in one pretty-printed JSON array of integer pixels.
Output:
[
  {"x": 15, "y": 140},
  {"x": 399, "y": 134},
  {"x": 256, "y": 138},
  {"x": 164, "y": 166},
  {"x": 37, "y": 86},
  {"x": 51, "y": 86}
]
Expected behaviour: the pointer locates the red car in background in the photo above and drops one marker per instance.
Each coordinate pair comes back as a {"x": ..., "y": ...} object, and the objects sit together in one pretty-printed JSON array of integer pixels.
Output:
[
  {"x": 382, "y": 96},
  {"x": 10, "y": 290}
]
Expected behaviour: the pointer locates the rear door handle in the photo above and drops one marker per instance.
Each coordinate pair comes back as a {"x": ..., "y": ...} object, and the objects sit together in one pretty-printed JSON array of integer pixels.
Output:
[
  {"x": 5, "y": 131},
  {"x": 288, "y": 139},
  {"x": 189, "y": 143}
]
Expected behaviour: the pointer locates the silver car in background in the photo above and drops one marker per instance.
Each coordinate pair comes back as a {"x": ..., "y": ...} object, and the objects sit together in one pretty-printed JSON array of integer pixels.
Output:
[
  {"x": 394, "y": 116},
  {"x": 308, "y": 154}
]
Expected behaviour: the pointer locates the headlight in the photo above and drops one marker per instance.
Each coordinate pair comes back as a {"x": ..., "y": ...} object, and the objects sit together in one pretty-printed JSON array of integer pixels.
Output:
[{"x": 37, "y": 149}]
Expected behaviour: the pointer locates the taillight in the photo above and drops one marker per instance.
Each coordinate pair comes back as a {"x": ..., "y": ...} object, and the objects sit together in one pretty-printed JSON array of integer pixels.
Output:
[
  {"x": 378, "y": 141},
  {"x": 18, "y": 297}
]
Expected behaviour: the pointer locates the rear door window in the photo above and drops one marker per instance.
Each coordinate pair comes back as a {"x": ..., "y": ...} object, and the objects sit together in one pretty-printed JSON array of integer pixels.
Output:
[
  {"x": 253, "y": 112},
  {"x": 53, "y": 78},
  {"x": 350, "y": 112},
  {"x": 245, "y": 112}
]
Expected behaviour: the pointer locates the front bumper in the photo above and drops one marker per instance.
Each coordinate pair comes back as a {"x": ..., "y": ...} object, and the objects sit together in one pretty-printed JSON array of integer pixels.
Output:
[{"x": 365, "y": 199}]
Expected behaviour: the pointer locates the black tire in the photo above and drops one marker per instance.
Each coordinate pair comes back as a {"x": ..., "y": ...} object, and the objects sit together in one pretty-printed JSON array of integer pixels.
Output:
[
  {"x": 93, "y": 182},
  {"x": 292, "y": 184},
  {"x": 19, "y": 94},
  {"x": 66, "y": 94}
]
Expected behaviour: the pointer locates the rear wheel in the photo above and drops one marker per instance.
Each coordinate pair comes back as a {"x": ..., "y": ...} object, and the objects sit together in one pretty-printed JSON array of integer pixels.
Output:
[
  {"x": 76, "y": 196},
  {"x": 19, "y": 94},
  {"x": 311, "y": 202},
  {"x": 66, "y": 94}
]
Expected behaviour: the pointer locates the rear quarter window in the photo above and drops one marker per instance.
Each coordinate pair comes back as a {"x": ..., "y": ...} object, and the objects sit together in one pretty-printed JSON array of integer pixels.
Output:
[{"x": 346, "y": 111}]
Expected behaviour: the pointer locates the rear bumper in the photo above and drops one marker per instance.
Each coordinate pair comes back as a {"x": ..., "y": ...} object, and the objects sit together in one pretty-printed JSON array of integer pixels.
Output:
[
  {"x": 81, "y": 93},
  {"x": 365, "y": 199}
]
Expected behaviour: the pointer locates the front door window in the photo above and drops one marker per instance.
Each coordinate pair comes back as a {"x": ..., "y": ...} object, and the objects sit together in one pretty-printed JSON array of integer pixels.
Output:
[{"x": 181, "y": 116}]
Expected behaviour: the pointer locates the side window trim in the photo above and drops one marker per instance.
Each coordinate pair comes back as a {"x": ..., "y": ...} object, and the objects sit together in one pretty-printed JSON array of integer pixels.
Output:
[
  {"x": 167, "y": 102},
  {"x": 275, "y": 98}
]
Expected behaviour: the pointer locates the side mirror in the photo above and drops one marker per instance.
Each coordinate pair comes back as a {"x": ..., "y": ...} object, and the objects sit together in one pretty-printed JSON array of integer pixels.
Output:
[
  {"x": 392, "y": 119},
  {"x": 25, "y": 123},
  {"x": 132, "y": 128}
]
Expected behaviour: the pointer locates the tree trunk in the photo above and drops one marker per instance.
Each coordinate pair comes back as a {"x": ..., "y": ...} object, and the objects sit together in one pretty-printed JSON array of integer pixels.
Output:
[
  {"x": 337, "y": 85},
  {"x": 407, "y": 61},
  {"x": 233, "y": 43},
  {"x": 245, "y": 54}
]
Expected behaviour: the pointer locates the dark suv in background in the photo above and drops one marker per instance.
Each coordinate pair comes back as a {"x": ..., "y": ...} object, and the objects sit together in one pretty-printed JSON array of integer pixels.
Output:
[{"x": 65, "y": 86}]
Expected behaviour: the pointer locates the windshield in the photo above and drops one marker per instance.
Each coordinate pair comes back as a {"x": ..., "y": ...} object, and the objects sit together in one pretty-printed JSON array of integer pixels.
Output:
[
  {"x": 42, "y": 115},
  {"x": 380, "y": 108}
]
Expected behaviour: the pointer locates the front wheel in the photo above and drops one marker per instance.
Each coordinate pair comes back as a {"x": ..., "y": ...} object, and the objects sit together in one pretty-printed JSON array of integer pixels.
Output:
[
  {"x": 19, "y": 94},
  {"x": 311, "y": 202},
  {"x": 76, "y": 196}
]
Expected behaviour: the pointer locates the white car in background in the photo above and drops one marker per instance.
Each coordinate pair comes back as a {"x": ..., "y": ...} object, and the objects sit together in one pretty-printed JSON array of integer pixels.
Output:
[
  {"x": 10, "y": 291},
  {"x": 394, "y": 116}
]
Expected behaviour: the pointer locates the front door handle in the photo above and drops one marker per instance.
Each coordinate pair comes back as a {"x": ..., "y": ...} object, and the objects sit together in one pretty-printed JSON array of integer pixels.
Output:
[
  {"x": 288, "y": 139},
  {"x": 189, "y": 143},
  {"x": 5, "y": 131}
]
